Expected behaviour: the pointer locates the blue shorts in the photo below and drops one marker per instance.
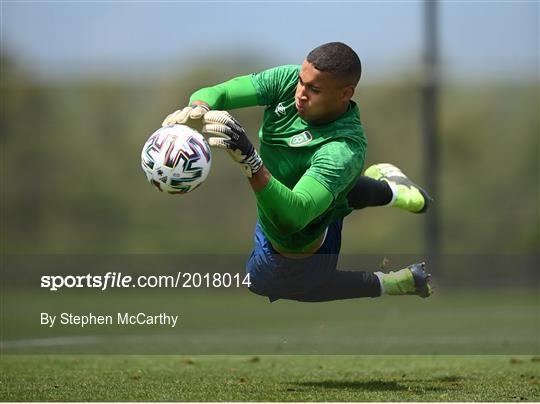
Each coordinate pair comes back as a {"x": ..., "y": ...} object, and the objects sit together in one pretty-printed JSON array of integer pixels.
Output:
[{"x": 278, "y": 277}]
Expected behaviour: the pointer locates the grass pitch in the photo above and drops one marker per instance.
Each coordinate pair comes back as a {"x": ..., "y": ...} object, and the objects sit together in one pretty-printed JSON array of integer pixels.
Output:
[
  {"x": 270, "y": 378},
  {"x": 223, "y": 323},
  {"x": 468, "y": 346}
]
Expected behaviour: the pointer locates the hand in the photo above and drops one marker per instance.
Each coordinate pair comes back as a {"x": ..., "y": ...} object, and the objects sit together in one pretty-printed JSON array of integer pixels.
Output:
[
  {"x": 232, "y": 137},
  {"x": 189, "y": 116}
]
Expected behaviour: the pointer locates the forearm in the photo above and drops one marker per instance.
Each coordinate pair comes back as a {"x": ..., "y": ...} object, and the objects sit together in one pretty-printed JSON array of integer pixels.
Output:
[
  {"x": 260, "y": 179},
  {"x": 290, "y": 210},
  {"x": 236, "y": 93}
]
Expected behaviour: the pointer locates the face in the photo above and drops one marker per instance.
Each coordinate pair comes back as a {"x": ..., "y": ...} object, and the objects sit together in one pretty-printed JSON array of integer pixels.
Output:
[{"x": 320, "y": 97}]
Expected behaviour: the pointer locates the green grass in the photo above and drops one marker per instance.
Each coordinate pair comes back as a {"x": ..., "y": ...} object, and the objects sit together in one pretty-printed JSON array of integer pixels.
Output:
[
  {"x": 270, "y": 378},
  {"x": 456, "y": 346},
  {"x": 240, "y": 323}
]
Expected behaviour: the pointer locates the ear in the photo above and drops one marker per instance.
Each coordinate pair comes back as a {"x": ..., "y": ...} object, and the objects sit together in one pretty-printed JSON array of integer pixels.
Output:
[{"x": 348, "y": 92}]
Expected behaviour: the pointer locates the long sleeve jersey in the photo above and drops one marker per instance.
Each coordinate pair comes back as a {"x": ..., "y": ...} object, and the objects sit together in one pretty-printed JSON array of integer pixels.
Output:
[{"x": 313, "y": 166}]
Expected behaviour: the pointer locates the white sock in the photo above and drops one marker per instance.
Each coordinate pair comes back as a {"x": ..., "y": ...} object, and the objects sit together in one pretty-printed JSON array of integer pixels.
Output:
[
  {"x": 394, "y": 189},
  {"x": 379, "y": 275}
]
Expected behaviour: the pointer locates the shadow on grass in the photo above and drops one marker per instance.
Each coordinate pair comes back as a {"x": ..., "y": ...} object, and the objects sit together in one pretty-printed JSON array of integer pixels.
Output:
[{"x": 372, "y": 385}]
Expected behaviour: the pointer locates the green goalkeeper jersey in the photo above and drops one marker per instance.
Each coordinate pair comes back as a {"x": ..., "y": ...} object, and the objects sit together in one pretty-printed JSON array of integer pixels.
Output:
[
  {"x": 290, "y": 147},
  {"x": 333, "y": 153}
]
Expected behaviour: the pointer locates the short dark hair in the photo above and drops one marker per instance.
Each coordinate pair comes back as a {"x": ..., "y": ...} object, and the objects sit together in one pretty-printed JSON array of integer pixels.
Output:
[{"x": 337, "y": 58}]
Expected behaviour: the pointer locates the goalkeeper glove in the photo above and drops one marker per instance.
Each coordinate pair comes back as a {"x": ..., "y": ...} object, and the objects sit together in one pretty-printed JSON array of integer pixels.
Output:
[
  {"x": 232, "y": 137},
  {"x": 189, "y": 116}
]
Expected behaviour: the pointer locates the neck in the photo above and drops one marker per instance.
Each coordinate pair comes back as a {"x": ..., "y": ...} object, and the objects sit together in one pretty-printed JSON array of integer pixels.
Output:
[{"x": 342, "y": 111}]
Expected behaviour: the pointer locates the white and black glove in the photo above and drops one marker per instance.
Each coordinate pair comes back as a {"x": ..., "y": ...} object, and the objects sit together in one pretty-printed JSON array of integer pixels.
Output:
[
  {"x": 190, "y": 116},
  {"x": 232, "y": 137}
]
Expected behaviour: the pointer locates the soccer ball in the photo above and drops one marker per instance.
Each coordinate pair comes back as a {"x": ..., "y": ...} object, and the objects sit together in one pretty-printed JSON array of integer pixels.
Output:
[{"x": 176, "y": 159}]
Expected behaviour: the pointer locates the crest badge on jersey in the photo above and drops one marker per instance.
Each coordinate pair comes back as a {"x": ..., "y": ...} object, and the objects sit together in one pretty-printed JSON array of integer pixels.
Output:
[{"x": 301, "y": 139}]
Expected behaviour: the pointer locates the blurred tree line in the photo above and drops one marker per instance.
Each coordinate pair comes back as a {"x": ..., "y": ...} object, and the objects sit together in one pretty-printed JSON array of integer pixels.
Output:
[{"x": 72, "y": 182}]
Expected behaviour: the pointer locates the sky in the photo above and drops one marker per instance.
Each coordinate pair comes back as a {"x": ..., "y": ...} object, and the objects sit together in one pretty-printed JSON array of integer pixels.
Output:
[{"x": 62, "y": 39}]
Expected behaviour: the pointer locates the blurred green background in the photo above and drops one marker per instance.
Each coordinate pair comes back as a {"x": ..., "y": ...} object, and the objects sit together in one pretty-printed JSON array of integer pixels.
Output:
[
  {"x": 85, "y": 84},
  {"x": 71, "y": 180}
]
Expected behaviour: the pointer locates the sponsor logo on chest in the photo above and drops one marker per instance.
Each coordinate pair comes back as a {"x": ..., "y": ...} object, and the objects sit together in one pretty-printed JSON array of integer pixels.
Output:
[{"x": 301, "y": 139}]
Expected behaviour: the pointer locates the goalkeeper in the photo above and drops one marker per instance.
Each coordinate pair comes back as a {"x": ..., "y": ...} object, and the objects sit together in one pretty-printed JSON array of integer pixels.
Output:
[{"x": 307, "y": 177}]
